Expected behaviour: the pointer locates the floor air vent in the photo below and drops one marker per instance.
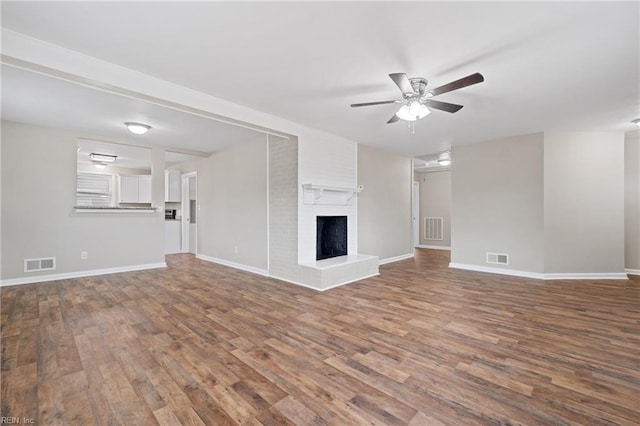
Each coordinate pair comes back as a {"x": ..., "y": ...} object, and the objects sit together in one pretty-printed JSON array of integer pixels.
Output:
[
  {"x": 43, "y": 264},
  {"x": 498, "y": 258}
]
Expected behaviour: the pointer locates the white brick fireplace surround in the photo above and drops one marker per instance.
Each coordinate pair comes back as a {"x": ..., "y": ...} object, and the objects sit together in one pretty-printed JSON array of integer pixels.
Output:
[{"x": 324, "y": 183}]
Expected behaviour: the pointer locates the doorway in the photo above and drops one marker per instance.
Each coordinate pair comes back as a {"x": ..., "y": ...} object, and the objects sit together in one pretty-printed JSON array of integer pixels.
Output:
[
  {"x": 415, "y": 214},
  {"x": 190, "y": 209}
]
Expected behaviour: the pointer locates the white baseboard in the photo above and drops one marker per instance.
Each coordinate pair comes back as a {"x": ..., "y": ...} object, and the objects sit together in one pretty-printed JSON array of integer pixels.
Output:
[
  {"x": 235, "y": 265},
  {"x": 424, "y": 246},
  {"x": 395, "y": 258},
  {"x": 540, "y": 276},
  {"x": 588, "y": 276},
  {"x": 500, "y": 271},
  {"x": 79, "y": 274},
  {"x": 632, "y": 271}
]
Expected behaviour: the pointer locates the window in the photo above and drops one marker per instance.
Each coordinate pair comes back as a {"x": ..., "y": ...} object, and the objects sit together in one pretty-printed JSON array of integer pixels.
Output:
[{"x": 94, "y": 189}]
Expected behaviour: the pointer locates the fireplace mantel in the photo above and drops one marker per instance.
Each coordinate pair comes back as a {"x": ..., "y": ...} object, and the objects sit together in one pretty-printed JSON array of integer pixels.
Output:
[{"x": 328, "y": 195}]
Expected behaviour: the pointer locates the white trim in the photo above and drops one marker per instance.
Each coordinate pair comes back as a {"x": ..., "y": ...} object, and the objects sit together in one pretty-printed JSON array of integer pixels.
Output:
[
  {"x": 268, "y": 191},
  {"x": 80, "y": 274},
  {"x": 395, "y": 258},
  {"x": 322, "y": 289},
  {"x": 632, "y": 271},
  {"x": 500, "y": 271},
  {"x": 234, "y": 265},
  {"x": 588, "y": 276},
  {"x": 425, "y": 246},
  {"x": 539, "y": 276}
]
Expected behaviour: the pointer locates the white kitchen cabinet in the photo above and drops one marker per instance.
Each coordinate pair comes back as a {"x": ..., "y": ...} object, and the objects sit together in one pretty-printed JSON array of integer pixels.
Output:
[
  {"x": 134, "y": 188},
  {"x": 172, "y": 236},
  {"x": 144, "y": 189},
  {"x": 172, "y": 186}
]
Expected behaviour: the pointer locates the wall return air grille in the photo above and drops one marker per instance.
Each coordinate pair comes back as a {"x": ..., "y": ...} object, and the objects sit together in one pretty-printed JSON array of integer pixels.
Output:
[
  {"x": 433, "y": 228},
  {"x": 498, "y": 258},
  {"x": 42, "y": 264}
]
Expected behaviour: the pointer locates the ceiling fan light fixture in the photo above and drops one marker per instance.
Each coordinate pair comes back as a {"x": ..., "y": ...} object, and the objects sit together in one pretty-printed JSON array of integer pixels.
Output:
[
  {"x": 413, "y": 111},
  {"x": 137, "y": 128}
]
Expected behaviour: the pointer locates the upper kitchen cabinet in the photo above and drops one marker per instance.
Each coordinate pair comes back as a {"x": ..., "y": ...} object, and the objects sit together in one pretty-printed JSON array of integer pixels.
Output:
[
  {"x": 134, "y": 188},
  {"x": 172, "y": 186}
]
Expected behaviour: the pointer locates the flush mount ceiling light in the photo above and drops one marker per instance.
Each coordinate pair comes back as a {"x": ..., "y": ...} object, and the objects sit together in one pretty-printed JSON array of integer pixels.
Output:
[
  {"x": 445, "y": 159},
  {"x": 137, "y": 128},
  {"x": 636, "y": 122},
  {"x": 100, "y": 160},
  {"x": 103, "y": 158}
]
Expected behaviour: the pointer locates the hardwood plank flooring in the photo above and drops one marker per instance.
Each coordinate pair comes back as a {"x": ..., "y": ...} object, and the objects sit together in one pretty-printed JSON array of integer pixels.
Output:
[{"x": 198, "y": 343}]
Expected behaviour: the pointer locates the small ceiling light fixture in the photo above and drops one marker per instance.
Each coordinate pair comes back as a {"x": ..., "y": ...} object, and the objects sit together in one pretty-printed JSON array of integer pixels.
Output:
[
  {"x": 137, "y": 128},
  {"x": 100, "y": 160},
  {"x": 412, "y": 111},
  {"x": 103, "y": 158},
  {"x": 636, "y": 122},
  {"x": 445, "y": 159}
]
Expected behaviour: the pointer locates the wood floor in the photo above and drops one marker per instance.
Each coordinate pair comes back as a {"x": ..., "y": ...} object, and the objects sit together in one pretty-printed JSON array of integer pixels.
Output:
[{"x": 197, "y": 343}]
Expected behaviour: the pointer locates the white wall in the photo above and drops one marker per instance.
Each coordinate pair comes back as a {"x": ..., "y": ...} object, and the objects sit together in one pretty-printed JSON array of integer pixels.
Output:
[
  {"x": 632, "y": 200},
  {"x": 554, "y": 202},
  {"x": 326, "y": 162},
  {"x": 38, "y": 219},
  {"x": 283, "y": 209},
  {"x": 435, "y": 201},
  {"x": 583, "y": 202},
  {"x": 497, "y": 202},
  {"x": 232, "y": 194},
  {"x": 384, "y": 206}
]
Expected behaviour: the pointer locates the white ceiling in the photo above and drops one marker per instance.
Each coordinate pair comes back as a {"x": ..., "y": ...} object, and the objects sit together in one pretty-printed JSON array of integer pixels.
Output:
[
  {"x": 33, "y": 98},
  {"x": 548, "y": 66}
]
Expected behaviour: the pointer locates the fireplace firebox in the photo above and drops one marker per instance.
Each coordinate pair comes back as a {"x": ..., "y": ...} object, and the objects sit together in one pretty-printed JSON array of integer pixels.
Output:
[{"x": 331, "y": 237}]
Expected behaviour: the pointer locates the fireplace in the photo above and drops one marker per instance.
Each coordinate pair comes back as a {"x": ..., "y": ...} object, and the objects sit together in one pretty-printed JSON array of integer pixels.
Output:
[{"x": 331, "y": 237}]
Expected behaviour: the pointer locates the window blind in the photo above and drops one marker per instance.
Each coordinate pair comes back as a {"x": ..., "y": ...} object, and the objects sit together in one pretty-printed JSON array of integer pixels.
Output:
[{"x": 94, "y": 189}]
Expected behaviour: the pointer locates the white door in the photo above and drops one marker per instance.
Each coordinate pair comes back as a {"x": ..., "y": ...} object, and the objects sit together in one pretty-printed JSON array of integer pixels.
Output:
[
  {"x": 189, "y": 191},
  {"x": 415, "y": 215}
]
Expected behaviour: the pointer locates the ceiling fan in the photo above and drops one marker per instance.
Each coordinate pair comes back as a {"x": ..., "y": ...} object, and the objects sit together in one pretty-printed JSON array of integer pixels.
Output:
[{"x": 417, "y": 101}]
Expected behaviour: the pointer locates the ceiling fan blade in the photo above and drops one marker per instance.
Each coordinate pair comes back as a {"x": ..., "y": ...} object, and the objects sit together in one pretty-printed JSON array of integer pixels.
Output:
[
  {"x": 458, "y": 84},
  {"x": 402, "y": 81},
  {"x": 393, "y": 119},
  {"x": 444, "y": 106},
  {"x": 374, "y": 103}
]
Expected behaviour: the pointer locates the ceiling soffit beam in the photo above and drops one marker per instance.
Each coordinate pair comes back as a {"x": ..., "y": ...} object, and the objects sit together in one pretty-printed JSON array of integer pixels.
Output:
[{"x": 108, "y": 88}]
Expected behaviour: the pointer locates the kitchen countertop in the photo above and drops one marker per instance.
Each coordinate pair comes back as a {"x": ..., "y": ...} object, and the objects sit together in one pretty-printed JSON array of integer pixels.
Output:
[{"x": 114, "y": 209}]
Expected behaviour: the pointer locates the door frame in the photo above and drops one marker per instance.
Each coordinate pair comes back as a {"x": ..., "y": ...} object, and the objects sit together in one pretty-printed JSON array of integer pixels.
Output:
[
  {"x": 186, "y": 219},
  {"x": 415, "y": 213}
]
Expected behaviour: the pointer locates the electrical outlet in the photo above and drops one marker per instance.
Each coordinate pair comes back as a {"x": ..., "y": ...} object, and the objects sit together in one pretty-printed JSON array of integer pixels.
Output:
[
  {"x": 83, "y": 255},
  {"x": 235, "y": 249}
]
